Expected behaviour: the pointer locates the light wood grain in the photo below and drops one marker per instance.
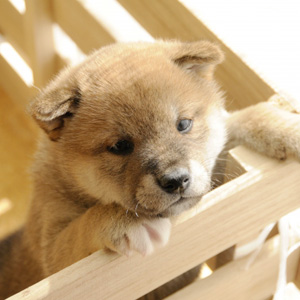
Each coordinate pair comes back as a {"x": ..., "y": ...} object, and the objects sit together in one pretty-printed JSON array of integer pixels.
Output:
[
  {"x": 11, "y": 23},
  {"x": 243, "y": 158},
  {"x": 243, "y": 205},
  {"x": 13, "y": 85},
  {"x": 39, "y": 43},
  {"x": 170, "y": 19},
  {"x": 240, "y": 160},
  {"x": 235, "y": 281},
  {"x": 297, "y": 279}
]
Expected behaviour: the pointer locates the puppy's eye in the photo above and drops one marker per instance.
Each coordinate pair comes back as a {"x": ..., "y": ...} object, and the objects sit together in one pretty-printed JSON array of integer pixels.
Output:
[
  {"x": 122, "y": 147},
  {"x": 184, "y": 125}
]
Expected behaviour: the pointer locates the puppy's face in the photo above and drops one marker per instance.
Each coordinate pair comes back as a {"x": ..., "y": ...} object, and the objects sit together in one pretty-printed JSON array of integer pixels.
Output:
[{"x": 137, "y": 126}]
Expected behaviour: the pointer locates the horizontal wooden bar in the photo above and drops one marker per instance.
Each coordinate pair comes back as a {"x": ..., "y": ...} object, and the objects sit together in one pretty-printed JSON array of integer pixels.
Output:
[
  {"x": 235, "y": 281},
  {"x": 246, "y": 204},
  {"x": 170, "y": 19},
  {"x": 80, "y": 25}
]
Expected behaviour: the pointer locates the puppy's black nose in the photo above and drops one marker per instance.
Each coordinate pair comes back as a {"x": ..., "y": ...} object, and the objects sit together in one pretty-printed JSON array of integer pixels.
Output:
[{"x": 175, "y": 182}]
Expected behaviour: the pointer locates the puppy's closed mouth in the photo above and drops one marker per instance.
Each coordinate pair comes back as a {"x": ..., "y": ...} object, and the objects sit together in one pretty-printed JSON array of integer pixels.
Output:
[
  {"x": 182, "y": 199},
  {"x": 192, "y": 200},
  {"x": 187, "y": 202}
]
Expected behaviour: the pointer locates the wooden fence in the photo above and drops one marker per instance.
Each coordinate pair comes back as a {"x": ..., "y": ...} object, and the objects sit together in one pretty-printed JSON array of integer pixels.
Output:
[{"x": 227, "y": 216}]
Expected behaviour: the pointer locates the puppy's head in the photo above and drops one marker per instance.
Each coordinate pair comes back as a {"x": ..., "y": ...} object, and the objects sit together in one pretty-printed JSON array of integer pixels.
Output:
[{"x": 137, "y": 124}]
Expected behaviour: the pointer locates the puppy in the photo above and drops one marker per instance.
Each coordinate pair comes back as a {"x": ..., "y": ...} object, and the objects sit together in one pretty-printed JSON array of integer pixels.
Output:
[{"x": 132, "y": 137}]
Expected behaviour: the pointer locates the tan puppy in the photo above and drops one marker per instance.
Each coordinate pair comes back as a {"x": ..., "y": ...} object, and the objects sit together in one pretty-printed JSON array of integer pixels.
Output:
[{"x": 133, "y": 135}]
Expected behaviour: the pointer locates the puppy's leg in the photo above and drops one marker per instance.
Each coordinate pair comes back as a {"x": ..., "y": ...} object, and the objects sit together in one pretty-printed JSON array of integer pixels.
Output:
[
  {"x": 105, "y": 226},
  {"x": 267, "y": 128}
]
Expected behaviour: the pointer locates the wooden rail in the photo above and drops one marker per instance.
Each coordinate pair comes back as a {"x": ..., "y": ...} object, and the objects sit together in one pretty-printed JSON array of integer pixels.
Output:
[{"x": 242, "y": 206}]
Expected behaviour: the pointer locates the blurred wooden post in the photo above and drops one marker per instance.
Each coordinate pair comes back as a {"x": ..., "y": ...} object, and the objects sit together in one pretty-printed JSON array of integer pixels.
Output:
[
  {"x": 297, "y": 279},
  {"x": 39, "y": 40},
  {"x": 11, "y": 24},
  {"x": 88, "y": 34}
]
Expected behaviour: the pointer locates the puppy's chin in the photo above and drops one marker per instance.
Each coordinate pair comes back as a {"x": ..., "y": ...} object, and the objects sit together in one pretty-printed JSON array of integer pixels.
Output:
[
  {"x": 176, "y": 208},
  {"x": 180, "y": 206}
]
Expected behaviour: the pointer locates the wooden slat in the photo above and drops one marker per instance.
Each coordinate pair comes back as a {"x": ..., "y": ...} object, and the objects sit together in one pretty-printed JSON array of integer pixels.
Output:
[
  {"x": 243, "y": 205},
  {"x": 241, "y": 156},
  {"x": 170, "y": 19},
  {"x": 11, "y": 23},
  {"x": 18, "y": 137},
  {"x": 297, "y": 279},
  {"x": 13, "y": 85},
  {"x": 80, "y": 25},
  {"x": 60, "y": 62},
  {"x": 39, "y": 40},
  {"x": 234, "y": 281}
]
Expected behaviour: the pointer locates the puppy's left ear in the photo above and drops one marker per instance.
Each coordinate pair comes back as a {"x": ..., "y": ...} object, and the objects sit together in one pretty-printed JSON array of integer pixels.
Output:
[
  {"x": 198, "y": 57},
  {"x": 56, "y": 104}
]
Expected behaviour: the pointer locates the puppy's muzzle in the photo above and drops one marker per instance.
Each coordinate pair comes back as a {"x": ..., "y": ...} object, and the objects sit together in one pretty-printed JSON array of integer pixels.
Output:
[{"x": 175, "y": 182}]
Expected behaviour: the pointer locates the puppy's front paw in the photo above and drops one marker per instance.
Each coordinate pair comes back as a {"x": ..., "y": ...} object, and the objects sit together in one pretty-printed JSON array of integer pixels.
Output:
[
  {"x": 143, "y": 236},
  {"x": 267, "y": 129}
]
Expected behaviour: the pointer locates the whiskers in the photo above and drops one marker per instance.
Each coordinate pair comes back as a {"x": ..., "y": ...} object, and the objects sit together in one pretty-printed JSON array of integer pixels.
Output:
[
  {"x": 223, "y": 170},
  {"x": 135, "y": 210},
  {"x": 219, "y": 178},
  {"x": 228, "y": 176}
]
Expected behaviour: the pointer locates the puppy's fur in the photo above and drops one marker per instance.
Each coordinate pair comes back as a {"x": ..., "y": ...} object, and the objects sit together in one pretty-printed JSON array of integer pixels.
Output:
[{"x": 132, "y": 137}]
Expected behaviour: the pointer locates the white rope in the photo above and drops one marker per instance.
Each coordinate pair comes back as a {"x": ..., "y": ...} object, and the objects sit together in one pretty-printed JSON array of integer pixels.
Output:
[
  {"x": 254, "y": 246},
  {"x": 284, "y": 248},
  {"x": 289, "y": 231}
]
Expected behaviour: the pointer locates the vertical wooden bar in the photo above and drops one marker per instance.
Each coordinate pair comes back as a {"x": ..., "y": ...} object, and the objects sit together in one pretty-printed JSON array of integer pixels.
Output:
[
  {"x": 39, "y": 40},
  {"x": 297, "y": 279}
]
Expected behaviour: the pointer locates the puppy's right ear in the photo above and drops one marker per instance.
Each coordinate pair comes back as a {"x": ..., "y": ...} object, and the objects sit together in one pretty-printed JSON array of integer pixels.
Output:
[
  {"x": 200, "y": 57},
  {"x": 56, "y": 103}
]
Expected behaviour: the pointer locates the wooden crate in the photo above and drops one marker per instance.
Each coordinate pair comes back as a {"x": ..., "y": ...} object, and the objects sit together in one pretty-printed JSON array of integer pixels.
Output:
[
  {"x": 226, "y": 216},
  {"x": 30, "y": 33}
]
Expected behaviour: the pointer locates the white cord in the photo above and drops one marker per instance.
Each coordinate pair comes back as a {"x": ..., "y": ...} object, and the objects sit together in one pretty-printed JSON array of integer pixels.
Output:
[
  {"x": 289, "y": 231},
  {"x": 284, "y": 248},
  {"x": 254, "y": 246}
]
